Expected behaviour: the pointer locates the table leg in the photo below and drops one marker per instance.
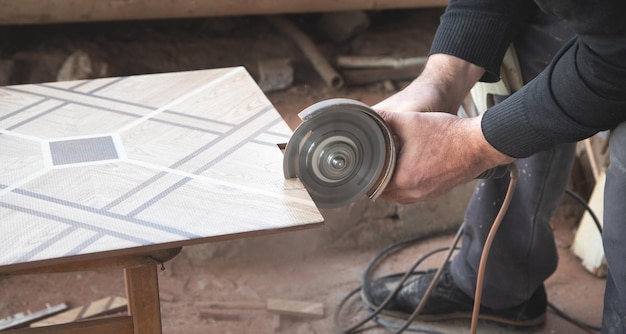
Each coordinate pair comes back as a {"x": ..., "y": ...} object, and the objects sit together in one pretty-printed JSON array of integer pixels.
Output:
[{"x": 142, "y": 291}]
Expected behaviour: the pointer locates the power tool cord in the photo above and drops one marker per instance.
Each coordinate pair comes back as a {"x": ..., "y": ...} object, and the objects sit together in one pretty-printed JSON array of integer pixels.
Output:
[
  {"x": 513, "y": 180},
  {"x": 514, "y": 173},
  {"x": 432, "y": 284},
  {"x": 373, "y": 314},
  {"x": 587, "y": 208},
  {"x": 372, "y": 264}
]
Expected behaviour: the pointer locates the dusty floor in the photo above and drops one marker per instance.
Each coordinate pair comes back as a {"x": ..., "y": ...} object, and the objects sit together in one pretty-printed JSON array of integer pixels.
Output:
[{"x": 324, "y": 275}]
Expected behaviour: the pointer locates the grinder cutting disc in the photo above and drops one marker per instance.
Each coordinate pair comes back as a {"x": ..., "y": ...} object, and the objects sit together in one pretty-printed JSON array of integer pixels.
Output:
[{"x": 341, "y": 151}]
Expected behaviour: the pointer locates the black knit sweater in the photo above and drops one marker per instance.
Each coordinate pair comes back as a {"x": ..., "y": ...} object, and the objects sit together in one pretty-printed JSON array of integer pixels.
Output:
[{"x": 581, "y": 92}]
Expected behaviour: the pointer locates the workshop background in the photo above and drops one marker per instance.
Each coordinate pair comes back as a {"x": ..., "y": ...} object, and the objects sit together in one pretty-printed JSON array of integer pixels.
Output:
[{"x": 216, "y": 288}]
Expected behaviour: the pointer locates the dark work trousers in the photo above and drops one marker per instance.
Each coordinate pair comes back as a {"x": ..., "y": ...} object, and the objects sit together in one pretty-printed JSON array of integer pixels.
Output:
[
  {"x": 614, "y": 235},
  {"x": 524, "y": 251}
]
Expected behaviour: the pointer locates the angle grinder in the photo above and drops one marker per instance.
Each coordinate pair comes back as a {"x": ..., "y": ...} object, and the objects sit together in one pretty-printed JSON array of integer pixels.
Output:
[
  {"x": 344, "y": 150},
  {"x": 341, "y": 151}
]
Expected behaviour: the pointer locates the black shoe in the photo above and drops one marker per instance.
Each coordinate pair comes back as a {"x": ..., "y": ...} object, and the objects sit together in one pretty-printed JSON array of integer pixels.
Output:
[{"x": 448, "y": 302}]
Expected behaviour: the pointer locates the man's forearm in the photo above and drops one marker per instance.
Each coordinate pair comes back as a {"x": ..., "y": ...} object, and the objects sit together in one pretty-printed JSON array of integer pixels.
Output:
[
  {"x": 442, "y": 86},
  {"x": 453, "y": 76}
]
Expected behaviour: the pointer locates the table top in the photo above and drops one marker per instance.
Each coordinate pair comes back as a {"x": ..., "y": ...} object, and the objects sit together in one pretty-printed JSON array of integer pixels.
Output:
[{"x": 139, "y": 163}]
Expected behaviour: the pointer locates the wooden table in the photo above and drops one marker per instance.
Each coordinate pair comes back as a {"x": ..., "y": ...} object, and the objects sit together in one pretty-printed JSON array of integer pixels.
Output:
[{"x": 123, "y": 172}]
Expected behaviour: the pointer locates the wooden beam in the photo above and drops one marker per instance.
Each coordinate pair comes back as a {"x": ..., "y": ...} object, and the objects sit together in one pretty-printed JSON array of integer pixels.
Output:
[
  {"x": 116, "y": 262},
  {"x": 372, "y": 75},
  {"x": 142, "y": 291},
  {"x": 57, "y": 11},
  {"x": 295, "y": 308}
]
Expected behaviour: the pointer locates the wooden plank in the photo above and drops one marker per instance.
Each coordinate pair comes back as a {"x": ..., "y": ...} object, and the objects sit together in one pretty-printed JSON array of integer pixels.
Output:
[
  {"x": 594, "y": 155},
  {"x": 49, "y": 11},
  {"x": 116, "y": 325},
  {"x": 277, "y": 306},
  {"x": 591, "y": 158},
  {"x": 102, "y": 306},
  {"x": 231, "y": 305},
  {"x": 587, "y": 243},
  {"x": 142, "y": 291},
  {"x": 379, "y": 62},
  {"x": 296, "y": 308}
]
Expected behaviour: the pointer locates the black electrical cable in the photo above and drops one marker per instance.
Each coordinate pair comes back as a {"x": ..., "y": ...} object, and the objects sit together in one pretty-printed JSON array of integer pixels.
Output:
[
  {"x": 573, "y": 320},
  {"x": 373, "y": 314},
  {"x": 372, "y": 264},
  {"x": 587, "y": 207},
  {"x": 391, "y": 325}
]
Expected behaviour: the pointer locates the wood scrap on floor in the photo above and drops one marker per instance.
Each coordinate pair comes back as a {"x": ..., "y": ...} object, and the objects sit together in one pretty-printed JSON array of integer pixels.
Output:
[
  {"x": 310, "y": 310},
  {"x": 301, "y": 309},
  {"x": 24, "y": 319},
  {"x": 232, "y": 305},
  {"x": 277, "y": 308},
  {"x": 587, "y": 246},
  {"x": 219, "y": 316},
  {"x": 100, "y": 307}
]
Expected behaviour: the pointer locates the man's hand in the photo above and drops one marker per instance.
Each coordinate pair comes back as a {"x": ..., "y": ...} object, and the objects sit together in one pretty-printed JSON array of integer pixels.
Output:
[{"x": 436, "y": 152}]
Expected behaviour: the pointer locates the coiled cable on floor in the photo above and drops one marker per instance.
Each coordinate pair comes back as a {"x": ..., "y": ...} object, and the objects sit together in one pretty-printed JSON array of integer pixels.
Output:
[
  {"x": 513, "y": 180},
  {"x": 372, "y": 264},
  {"x": 374, "y": 314}
]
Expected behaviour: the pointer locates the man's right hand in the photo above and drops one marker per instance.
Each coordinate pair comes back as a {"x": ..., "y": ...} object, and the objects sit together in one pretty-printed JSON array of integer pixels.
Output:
[{"x": 436, "y": 150}]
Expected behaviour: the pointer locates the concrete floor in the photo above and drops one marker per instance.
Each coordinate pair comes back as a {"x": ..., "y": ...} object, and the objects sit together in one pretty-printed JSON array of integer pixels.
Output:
[
  {"x": 328, "y": 276},
  {"x": 259, "y": 273}
]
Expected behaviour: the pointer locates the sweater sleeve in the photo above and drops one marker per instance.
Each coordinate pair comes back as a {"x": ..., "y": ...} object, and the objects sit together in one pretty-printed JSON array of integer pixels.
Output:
[
  {"x": 480, "y": 31},
  {"x": 580, "y": 93}
]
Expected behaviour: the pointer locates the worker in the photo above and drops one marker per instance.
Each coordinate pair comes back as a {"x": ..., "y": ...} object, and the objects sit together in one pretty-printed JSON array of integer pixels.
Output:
[{"x": 580, "y": 92}]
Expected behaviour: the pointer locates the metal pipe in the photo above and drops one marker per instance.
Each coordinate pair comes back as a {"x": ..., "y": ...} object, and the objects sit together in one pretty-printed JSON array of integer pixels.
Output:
[{"x": 321, "y": 65}]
